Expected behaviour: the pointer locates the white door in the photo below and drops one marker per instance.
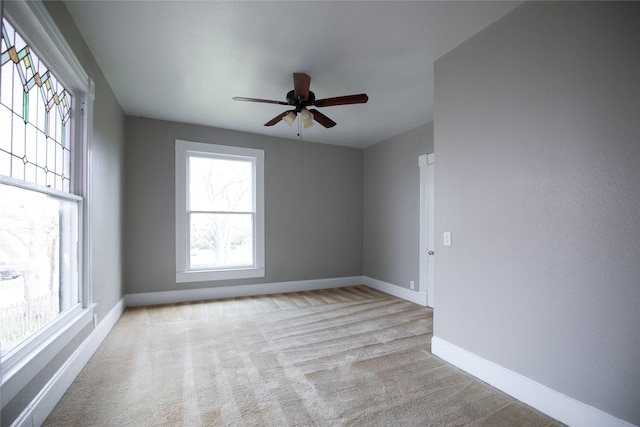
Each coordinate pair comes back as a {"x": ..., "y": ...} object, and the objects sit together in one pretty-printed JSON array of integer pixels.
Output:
[{"x": 427, "y": 232}]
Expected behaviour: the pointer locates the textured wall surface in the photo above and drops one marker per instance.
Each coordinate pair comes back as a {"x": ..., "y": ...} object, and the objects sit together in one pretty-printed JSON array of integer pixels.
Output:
[
  {"x": 392, "y": 207},
  {"x": 313, "y": 206},
  {"x": 537, "y": 136}
]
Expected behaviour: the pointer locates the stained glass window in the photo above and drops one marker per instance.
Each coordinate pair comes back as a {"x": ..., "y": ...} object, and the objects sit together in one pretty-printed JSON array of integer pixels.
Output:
[{"x": 35, "y": 117}]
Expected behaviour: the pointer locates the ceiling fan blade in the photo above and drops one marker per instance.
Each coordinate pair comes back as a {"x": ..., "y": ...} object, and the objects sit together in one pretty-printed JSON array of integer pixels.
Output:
[
  {"x": 322, "y": 119},
  {"x": 301, "y": 83},
  {"x": 276, "y": 119},
  {"x": 265, "y": 101},
  {"x": 342, "y": 100}
]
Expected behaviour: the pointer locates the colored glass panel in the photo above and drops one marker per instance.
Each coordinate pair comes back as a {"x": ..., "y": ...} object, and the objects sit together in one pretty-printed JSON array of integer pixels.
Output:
[{"x": 35, "y": 110}]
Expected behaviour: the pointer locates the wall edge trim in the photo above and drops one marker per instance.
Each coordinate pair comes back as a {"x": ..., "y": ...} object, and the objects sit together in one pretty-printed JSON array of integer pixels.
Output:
[
  {"x": 45, "y": 401},
  {"x": 204, "y": 294},
  {"x": 417, "y": 297},
  {"x": 546, "y": 400}
]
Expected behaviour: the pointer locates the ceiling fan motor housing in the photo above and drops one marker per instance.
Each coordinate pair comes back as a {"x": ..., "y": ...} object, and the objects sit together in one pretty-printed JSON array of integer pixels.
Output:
[{"x": 300, "y": 103}]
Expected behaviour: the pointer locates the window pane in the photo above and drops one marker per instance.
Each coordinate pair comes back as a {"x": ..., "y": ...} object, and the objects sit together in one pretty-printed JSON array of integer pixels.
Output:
[
  {"x": 221, "y": 241},
  {"x": 6, "y": 84},
  {"x": 220, "y": 185},
  {"x": 6, "y": 118},
  {"x": 38, "y": 268}
]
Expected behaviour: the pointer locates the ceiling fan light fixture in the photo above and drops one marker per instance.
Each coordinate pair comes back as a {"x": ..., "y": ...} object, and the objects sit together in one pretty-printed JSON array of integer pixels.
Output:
[
  {"x": 300, "y": 98},
  {"x": 289, "y": 118},
  {"x": 307, "y": 118}
]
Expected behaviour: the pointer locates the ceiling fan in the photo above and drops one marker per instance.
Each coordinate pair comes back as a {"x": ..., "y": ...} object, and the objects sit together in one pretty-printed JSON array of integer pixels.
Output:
[{"x": 300, "y": 98}]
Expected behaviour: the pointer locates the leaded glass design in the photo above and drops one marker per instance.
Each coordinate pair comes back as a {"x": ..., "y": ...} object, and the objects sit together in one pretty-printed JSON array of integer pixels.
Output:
[{"x": 35, "y": 117}]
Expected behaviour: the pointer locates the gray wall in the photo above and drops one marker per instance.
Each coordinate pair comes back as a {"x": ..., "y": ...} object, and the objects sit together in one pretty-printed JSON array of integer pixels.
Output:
[
  {"x": 106, "y": 176},
  {"x": 391, "y": 218},
  {"x": 313, "y": 206},
  {"x": 537, "y": 136}
]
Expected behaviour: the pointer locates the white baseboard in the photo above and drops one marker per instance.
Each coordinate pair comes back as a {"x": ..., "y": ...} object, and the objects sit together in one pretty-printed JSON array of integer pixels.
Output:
[
  {"x": 416, "y": 297},
  {"x": 42, "y": 405},
  {"x": 548, "y": 401},
  {"x": 188, "y": 295},
  {"x": 204, "y": 294}
]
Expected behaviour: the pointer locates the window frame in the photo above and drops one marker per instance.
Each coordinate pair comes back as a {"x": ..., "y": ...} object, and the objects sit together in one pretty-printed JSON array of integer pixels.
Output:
[
  {"x": 38, "y": 29},
  {"x": 184, "y": 150}
]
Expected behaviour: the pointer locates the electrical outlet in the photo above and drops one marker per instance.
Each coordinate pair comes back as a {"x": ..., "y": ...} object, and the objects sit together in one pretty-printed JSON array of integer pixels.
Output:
[{"x": 411, "y": 284}]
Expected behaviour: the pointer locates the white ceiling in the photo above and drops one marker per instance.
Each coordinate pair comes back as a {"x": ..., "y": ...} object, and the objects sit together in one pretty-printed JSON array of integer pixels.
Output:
[{"x": 185, "y": 60}]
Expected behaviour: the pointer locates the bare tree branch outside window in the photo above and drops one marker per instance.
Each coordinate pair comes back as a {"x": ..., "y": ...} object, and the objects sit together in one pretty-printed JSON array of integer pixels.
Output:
[{"x": 222, "y": 209}]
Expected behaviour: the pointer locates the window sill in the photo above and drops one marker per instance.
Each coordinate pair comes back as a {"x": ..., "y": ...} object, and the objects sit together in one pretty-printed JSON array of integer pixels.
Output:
[
  {"x": 22, "y": 363},
  {"x": 208, "y": 275}
]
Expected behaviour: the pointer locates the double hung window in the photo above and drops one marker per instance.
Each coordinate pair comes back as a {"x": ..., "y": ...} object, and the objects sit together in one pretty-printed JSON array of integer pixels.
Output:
[
  {"x": 44, "y": 104},
  {"x": 219, "y": 212}
]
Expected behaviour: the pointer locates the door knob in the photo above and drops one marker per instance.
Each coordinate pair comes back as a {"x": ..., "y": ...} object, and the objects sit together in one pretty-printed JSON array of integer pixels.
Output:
[{"x": 430, "y": 253}]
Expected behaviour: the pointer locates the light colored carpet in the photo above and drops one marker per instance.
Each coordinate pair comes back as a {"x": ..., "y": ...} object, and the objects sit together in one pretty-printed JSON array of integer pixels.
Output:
[{"x": 339, "y": 357}]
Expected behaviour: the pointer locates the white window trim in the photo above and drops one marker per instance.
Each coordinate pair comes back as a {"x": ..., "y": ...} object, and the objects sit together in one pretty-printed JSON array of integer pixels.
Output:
[
  {"x": 37, "y": 27},
  {"x": 183, "y": 274}
]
